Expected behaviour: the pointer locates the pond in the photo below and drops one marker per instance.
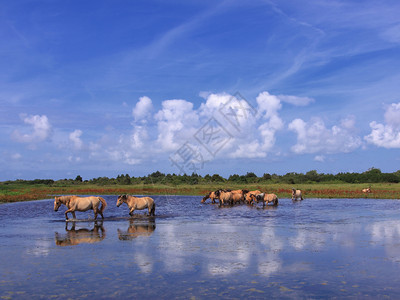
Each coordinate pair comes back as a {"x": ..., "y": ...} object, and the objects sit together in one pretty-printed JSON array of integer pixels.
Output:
[{"x": 336, "y": 248}]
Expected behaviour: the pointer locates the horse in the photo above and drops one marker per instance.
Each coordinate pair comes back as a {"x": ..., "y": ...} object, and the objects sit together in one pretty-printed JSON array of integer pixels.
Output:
[
  {"x": 136, "y": 229},
  {"x": 249, "y": 196},
  {"x": 210, "y": 195},
  {"x": 368, "y": 190},
  {"x": 82, "y": 235},
  {"x": 75, "y": 203},
  {"x": 267, "y": 198},
  {"x": 137, "y": 203},
  {"x": 238, "y": 195},
  {"x": 224, "y": 196},
  {"x": 296, "y": 194}
]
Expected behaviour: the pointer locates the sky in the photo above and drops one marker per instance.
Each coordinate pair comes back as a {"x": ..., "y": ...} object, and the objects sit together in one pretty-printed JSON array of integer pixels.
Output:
[{"x": 102, "y": 88}]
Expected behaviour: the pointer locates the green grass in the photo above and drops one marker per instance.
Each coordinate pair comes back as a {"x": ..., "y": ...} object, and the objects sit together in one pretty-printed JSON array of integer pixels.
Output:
[{"x": 24, "y": 192}]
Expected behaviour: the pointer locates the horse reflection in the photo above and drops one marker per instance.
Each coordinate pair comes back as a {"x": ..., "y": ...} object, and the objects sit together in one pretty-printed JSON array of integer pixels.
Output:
[
  {"x": 80, "y": 236},
  {"x": 137, "y": 228}
]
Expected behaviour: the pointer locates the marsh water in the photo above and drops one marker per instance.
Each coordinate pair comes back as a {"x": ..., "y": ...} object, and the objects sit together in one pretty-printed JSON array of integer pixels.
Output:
[{"x": 336, "y": 248}]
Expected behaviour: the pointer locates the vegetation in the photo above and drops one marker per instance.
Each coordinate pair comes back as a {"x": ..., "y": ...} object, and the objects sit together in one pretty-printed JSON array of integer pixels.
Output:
[{"x": 313, "y": 184}]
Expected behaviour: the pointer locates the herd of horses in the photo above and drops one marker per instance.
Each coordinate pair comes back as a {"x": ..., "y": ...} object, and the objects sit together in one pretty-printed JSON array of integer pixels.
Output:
[
  {"x": 232, "y": 197},
  {"x": 98, "y": 204}
]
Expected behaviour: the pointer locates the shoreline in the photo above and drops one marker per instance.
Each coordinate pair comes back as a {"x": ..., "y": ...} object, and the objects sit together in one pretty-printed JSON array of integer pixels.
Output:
[{"x": 19, "y": 193}]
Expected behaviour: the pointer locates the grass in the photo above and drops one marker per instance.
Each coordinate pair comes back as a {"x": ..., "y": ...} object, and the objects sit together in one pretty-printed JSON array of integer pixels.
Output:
[{"x": 23, "y": 192}]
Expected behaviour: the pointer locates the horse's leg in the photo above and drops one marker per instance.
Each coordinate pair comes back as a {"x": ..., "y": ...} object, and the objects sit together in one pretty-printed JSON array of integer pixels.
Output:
[{"x": 132, "y": 210}]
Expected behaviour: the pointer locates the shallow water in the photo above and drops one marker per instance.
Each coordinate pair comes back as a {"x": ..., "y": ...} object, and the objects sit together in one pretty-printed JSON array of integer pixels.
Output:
[{"x": 336, "y": 248}]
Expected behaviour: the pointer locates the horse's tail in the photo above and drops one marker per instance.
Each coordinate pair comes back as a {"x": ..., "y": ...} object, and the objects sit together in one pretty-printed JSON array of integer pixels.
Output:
[
  {"x": 103, "y": 204},
  {"x": 153, "y": 209}
]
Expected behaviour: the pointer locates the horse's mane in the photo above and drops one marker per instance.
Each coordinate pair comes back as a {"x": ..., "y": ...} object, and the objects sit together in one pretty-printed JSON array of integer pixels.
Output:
[{"x": 65, "y": 198}]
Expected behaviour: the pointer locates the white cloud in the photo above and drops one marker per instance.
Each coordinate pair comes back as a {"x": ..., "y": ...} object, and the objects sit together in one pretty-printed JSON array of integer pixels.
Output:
[
  {"x": 314, "y": 137},
  {"x": 75, "y": 138},
  {"x": 386, "y": 135},
  {"x": 392, "y": 115},
  {"x": 298, "y": 101},
  {"x": 16, "y": 156},
  {"x": 320, "y": 158},
  {"x": 177, "y": 122},
  {"x": 142, "y": 109},
  {"x": 383, "y": 136},
  {"x": 268, "y": 104},
  {"x": 40, "y": 130}
]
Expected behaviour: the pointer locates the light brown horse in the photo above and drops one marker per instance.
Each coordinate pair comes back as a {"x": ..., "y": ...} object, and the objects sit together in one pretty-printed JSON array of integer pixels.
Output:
[
  {"x": 250, "y": 196},
  {"x": 80, "y": 236},
  {"x": 224, "y": 196},
  {"x": 75, "y": 203},
  {"x": 296, "y": 194},
  {"x": 137, "y": 229},
  {"x": 137, "y": 203},
  {"x": 267, "y": 198},
  {"x": 210, "y": 195},
  {"x": 366, "y": 191},
  {"x": 238, "y": 196}
]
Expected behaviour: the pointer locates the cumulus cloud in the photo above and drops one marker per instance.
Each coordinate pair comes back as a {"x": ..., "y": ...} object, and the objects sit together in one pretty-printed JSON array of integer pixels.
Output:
[
  {"x": 386, "y": 135},
  {"x": 177, "y": 122},
  {"x": 40, "y": 130},
  {"x": 75, "y": 138},
  {"x": 142, "y": 109},
  {"x": 314, "y": 137}
]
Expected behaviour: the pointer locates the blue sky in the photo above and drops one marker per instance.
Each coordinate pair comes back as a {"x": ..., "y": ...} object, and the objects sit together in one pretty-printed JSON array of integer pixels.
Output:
[{"x": 101, "y": 88}]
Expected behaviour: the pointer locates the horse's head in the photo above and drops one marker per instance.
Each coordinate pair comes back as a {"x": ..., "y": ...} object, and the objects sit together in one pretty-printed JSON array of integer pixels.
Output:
[
  {"x": 121, "y": 199},
  {"x": 205, "y": 197},
  {"x": 57, "y": 203}
]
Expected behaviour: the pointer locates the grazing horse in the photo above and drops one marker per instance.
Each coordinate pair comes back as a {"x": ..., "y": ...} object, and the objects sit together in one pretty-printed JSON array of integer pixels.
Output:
[
  {"x": 82, "y": 235},
  {"x": 137, "y": 203},
  {"x": 210, "y": 195},
  {"x": 136, "y": 229},
  {"x": 267, "y": 198},
  {"x": 296, "y": 194},
  {"x": 368, "y": 190},
  {"x": 75, "y": 203},
  {"x": 250, "y": 196},
  {"x": 224, "y": 196}
]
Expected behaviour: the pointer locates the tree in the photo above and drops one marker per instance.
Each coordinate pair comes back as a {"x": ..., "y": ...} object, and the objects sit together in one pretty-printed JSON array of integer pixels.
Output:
[{"x": 78, "y": 178}]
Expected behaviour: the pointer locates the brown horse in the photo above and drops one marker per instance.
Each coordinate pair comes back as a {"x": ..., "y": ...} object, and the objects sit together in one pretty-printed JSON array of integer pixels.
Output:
[
  {"x": 75, "y": 203},
  {"x": 137, "y": 229},
  {"x": 82, "y": 235},
  {"x": 137, "y": 203},
  {"x": 250, "y": 196},
  {"x": 210, "y": 195}
]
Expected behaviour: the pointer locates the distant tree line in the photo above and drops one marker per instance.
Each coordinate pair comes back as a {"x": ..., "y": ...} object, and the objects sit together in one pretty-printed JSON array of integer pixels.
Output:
[{"x": 373, "y": 175}]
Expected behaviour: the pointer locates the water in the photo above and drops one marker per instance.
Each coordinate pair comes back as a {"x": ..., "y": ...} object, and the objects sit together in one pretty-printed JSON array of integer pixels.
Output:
[{"x": 317, "y": 248}]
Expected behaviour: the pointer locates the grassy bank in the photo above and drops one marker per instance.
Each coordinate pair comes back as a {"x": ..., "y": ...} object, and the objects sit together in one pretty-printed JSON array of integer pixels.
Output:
[{"x": 25, "y": 192}]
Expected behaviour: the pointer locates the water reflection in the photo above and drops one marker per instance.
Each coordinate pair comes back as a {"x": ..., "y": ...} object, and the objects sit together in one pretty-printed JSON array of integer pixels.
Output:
[
  {"x": 82, "y": 235},
  {"x": 137, "y": 228}
]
